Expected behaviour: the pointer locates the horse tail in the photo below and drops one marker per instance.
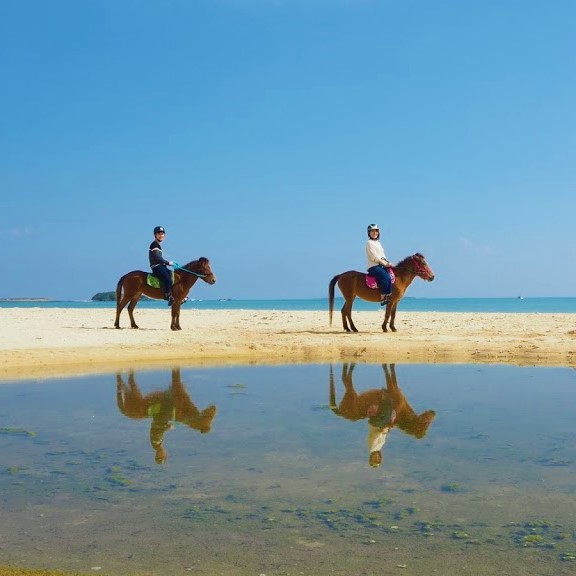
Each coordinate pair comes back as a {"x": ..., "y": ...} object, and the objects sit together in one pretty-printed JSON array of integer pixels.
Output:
[
  {"x": 331, "y": 295},
  {"x": 119, "y": 289}
]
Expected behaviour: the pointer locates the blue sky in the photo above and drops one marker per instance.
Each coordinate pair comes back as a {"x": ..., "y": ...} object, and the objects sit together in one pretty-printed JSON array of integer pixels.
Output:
[{"x": 266, "y": 134}]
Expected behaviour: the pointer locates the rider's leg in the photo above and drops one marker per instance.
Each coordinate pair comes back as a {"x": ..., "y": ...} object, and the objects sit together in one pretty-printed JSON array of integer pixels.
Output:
[
  {"x": 383, "y": 280},
  {"x": 165, "y": 277}
]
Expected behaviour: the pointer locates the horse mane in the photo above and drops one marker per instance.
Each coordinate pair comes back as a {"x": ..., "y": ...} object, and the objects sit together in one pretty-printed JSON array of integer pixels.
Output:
[
  {"x": 200, "y": 263},
  {"x": 403, "y": 263},
  {"x": 406, "y": 261}
]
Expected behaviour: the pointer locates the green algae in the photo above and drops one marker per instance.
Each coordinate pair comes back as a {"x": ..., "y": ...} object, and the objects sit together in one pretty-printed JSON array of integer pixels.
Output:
[{"x": 17, "y": 432}]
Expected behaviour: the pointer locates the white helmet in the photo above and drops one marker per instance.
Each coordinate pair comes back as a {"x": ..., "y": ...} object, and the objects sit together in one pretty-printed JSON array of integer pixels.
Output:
[{"x": 373, "y": 227}]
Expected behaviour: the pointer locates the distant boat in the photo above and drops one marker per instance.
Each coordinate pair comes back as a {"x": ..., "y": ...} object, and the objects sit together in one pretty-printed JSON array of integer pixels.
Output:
[{"x": 520, "y": 297}]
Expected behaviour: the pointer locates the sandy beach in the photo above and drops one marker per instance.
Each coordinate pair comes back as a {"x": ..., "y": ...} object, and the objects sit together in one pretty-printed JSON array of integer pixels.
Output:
[{"x": 40, "y": 342}]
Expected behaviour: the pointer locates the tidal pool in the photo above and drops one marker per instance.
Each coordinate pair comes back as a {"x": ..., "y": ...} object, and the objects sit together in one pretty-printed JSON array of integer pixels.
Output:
[{"x": 292, "y": 470}]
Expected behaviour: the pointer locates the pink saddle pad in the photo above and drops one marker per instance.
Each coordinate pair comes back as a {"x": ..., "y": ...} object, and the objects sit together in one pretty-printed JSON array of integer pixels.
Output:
[{"x": 371, "y": 281}]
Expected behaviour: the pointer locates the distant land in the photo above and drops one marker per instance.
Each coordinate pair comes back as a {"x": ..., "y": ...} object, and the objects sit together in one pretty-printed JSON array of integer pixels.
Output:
[
  {"x": 25, "y": 299},
  {"x": 104, "y": 297},
  {"x": 111, "y": 297}
]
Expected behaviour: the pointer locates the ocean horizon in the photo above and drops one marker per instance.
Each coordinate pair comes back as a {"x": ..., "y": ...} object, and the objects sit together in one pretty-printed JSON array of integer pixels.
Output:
[{"x": 409, "y": 304}]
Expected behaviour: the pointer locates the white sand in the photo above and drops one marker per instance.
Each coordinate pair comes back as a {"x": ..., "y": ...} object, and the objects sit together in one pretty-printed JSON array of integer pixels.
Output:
[{"x": 37, "y": 342}]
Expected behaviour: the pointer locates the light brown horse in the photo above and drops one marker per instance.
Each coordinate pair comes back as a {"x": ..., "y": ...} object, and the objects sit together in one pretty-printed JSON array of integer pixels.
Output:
[
  {"x": 358, "y": 406},
  {"x": 164, "y": 408},
  {"x": 132, "y": 285},
  {"x": 353, "y": 284}
]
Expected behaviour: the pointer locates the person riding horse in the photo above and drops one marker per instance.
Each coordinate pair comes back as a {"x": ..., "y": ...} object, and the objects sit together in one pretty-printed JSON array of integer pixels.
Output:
[
  {"x": 378, "y": 264},
  {"x": 159, "y": 264}
]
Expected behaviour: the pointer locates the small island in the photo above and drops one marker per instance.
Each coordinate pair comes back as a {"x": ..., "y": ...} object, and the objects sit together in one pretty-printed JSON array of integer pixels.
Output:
[
  {"x": 104, "y": 297},
  {"x": 111, "y": 297}
]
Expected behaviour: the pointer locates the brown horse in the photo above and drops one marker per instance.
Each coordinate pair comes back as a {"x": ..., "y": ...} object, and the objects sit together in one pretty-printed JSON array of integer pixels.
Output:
[
  {"x": 358, "y": 406},
  {"x": 353, "y": 284},
  {"x": 164, "y": 408},
  {"x": 132, "y": 285}
]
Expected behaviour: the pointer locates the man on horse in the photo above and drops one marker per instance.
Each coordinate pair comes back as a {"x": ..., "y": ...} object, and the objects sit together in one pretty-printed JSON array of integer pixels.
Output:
[
  {"x": 378, "y": 264},
  {"x": 159, "y": 264}
]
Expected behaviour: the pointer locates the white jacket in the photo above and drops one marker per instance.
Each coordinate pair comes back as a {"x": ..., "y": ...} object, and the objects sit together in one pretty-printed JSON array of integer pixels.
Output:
[{"x": 375, "y": 253}]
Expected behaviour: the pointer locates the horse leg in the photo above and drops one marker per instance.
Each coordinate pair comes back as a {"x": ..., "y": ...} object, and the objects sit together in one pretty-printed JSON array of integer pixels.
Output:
[
  {"x": 386, "y": 318},
  {"x": 119, "y": 307},
  {"x": 344, "y": 318},
  {"x": 175, "y": 324},
  {"x": 131, "y": 307},
  {"x": 394, "y": 305},
  {"x": 348, "y": 306},
  {"x": 347, "y": 379}
]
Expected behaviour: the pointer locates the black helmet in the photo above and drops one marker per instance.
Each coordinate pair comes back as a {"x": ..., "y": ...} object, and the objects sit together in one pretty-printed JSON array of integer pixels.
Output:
[{"x": 159, "y": 229}]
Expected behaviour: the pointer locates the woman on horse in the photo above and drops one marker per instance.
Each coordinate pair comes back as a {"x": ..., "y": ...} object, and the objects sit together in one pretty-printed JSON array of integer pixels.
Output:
[
  {"x": 378, "y": 264},
  {"x": 159, "y": 264}
]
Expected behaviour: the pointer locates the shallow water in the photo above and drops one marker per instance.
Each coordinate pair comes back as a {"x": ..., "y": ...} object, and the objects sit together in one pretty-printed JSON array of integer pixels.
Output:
[{"x": 266, "y": 474}]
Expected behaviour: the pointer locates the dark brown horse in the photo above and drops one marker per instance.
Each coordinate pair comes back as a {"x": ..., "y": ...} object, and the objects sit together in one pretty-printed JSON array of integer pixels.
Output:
[
  {"x": 353, "y": 284},
  {"x": 164, "y": 408},
  {"x": 132, "y": 285}
]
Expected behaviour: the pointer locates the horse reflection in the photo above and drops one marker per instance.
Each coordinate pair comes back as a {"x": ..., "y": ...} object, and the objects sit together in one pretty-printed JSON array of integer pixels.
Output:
[
  {"x": 164, "y": 407},
  {"x": 385, "y": 408}
]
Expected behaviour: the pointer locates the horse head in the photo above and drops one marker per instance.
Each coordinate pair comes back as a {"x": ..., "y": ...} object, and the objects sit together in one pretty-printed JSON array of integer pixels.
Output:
[
  {"x": 421, "y": 268},
  {"x": 416, "y": 424},
  {"x": 201, "y": 267}
]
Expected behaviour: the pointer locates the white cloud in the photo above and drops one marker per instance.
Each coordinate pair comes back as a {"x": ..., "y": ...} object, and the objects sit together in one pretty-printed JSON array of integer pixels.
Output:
[
  {"x": 475, "y": 248},
  {"x": 20, "y": 232}
]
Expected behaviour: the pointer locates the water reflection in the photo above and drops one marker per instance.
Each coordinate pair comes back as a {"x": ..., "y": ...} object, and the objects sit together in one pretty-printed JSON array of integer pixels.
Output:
[
  {"x": 164, "y": 407},
  {"x": 280, "y": 485},
  {"x": 385, "y": 408}
]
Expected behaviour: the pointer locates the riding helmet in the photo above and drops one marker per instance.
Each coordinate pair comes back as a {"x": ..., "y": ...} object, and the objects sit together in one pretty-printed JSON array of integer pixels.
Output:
[
  {"x": 373, "y": 227},
  {"x": 159, "y": 229}
]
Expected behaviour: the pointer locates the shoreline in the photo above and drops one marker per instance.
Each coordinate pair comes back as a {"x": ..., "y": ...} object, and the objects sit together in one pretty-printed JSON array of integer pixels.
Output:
[{"x": 50, "y": 342}]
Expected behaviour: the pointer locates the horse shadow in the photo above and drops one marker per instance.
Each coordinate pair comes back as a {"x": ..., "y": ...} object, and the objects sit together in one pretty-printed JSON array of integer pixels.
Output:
[
  {"x": 384, "y": 408},
  {"x": 165, "y": 408}
]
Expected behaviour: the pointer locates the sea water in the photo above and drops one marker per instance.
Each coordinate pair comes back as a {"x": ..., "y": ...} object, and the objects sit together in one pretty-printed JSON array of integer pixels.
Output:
[
  {"x": 543, "y": 305},
  {"x": 265, "y": 470}
]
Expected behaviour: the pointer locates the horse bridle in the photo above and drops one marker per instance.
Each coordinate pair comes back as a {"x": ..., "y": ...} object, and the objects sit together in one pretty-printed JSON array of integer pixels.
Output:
[
  {"x": 178, "y": 267},
  {"x": 419, "y": 270}
]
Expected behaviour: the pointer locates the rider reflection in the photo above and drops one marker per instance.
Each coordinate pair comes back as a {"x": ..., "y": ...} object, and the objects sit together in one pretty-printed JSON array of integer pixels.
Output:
[
  {"x": 385, "y": 408},
  {"x": 164, "y": 407}
]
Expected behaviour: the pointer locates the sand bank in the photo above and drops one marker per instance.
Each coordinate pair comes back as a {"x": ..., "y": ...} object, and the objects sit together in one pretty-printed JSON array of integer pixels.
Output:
[{"x": 40, "y": 342}]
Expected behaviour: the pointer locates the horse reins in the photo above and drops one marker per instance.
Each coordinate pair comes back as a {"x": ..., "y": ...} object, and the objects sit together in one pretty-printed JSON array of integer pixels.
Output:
[{"x": 178, "y": 267}]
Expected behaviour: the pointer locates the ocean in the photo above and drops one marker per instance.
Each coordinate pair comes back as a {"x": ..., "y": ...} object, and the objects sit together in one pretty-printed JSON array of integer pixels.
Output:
[{"x": 565, "y": 305}]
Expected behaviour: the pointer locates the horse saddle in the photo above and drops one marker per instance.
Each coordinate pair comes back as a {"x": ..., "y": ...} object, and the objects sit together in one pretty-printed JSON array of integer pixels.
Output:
[
  {"x": 371, "y": 281},
  {"x": 154, "y": 281}
]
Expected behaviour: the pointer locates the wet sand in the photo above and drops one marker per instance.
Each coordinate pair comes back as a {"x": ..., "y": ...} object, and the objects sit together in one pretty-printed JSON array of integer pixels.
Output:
[{"x": 39, "y": 342}]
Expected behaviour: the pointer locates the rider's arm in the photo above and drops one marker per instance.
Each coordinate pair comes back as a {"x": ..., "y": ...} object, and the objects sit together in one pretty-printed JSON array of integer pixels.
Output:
[
  {"x": 375, "y": 253},
  {"x": 156, "y": 255}
]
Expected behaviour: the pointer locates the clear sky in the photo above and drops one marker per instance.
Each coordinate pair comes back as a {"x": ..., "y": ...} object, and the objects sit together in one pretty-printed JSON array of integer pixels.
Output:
[{"x": 266, "y": 135}]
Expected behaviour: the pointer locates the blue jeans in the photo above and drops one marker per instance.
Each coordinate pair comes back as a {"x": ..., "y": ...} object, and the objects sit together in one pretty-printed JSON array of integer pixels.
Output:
[
  {"x": 382, "y": 279},
  {"x": 165, "y": 277}
]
